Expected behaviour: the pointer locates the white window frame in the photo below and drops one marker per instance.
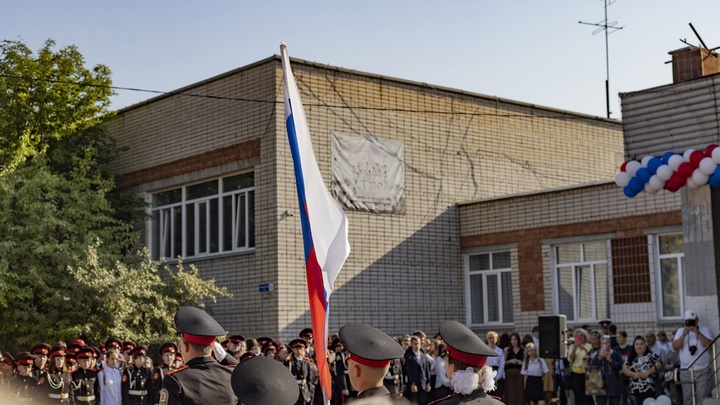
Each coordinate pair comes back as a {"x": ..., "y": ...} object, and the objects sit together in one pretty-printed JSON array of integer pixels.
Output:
[
  {"x": 574, "y": 268},
  {"x": 484, "y": 274},
  {"x": 184, "y": 205},
  {"x": 680, "y": 258}
]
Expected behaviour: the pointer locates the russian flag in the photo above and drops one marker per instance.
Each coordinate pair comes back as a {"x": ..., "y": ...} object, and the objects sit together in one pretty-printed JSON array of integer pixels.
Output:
[{"x": 324, "y": 223}]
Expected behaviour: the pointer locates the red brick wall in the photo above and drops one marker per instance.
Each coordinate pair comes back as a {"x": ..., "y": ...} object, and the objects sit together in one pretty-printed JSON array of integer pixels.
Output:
[
  {"x": 216, "y": 157},
  {"x": 529, "y": 242}
]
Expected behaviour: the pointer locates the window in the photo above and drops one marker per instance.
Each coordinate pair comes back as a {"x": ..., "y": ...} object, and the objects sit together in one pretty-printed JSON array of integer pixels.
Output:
[
  {"x": 581, "y": 274},
  {"x": 489, "y": 288},
  {"x": 671, "y": 276},
  {"x": 207, "y": 218}
]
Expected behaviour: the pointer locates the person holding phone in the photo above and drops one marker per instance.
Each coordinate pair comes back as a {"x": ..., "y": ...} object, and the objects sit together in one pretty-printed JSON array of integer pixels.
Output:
[
  {"x": 690, "y": 342},
  {"x": 610, "y": 363}
]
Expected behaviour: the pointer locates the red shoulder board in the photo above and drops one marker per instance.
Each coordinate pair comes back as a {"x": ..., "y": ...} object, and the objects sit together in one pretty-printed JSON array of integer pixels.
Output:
[
  {"x": 307, "y": 359},
  {"x": 494, "y": 397},
  {"x": 176, "y": 370}
]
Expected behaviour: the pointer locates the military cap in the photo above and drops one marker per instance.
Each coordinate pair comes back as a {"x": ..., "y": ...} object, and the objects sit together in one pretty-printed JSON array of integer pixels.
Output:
[
  {"x": 25, "y": 359},
  {"x": 178, "y": 356},
  {"x": 261, "y": 380},
  {"x": 113, "y": 342},
  {"x": 246, "y": 356},
  {"x": 56, "y": 351},
  {"x": 102, "y": 349},
  {"x": 70, "y": 358},
  {"x": 369, "y": 346},
  {"x": 269, "y": 345},
  {"x": 225, "y": 343},
  {"x": 236, "y": 339},
  {"x": 139, "y": 351},
  {"x": 604, "y": 323},
  {"x": 262, "y": 340},
  {"x": 168, "y": 347},
  {"x": 307, "y": 332},
  {"x": 8, "y": 359},
  {"x": 297, "y": 342},
  {"x": 74, "y": 348},
  {"x": 337, "y": 343},
  {"x": 463, "y": 344},
  {"x": 197, "y": 326},
  {"x": 85, "y": 352},
  {"x": 41, "y": 348},
  {"x": 79, "y": 342},
  {"x": 281, "y": 346},
  {"x": 129, "y": 345}
]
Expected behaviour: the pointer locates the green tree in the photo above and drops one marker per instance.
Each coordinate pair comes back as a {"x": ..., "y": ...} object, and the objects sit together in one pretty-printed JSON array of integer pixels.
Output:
[
  {"x": 46, "y": 97},
  {"x": 68, "y": 267}
]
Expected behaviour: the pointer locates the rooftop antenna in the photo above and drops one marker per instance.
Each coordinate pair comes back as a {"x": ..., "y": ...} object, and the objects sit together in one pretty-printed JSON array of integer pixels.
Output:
[{"x": 609, "y": 28}]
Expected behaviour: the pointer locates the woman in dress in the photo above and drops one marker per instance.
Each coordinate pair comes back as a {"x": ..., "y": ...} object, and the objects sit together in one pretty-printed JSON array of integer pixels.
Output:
[
  {"x": 497, "y": 364},
  {"x": 640, "y": 367},
  {"x": 610, "y": 363},
  {"x": 533, "y": 369},
  {"x": 514, "y": 356},
  {"x": 466, "y": 355}
]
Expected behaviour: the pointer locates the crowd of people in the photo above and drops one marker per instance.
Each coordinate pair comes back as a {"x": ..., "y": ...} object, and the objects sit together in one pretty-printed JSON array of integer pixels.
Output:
[{"x": 121, "y": 372}]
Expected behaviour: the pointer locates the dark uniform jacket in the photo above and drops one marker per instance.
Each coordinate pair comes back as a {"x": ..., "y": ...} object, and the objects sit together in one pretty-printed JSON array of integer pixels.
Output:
[
  {"x": 86, "y": 387},
  {"x": 383, "y": 393},
  {"x": 137, "y": 386},
  {"x": 201, "y": 381},
  {"x": 393, "y": 380},
  {"x": 478, "y": 397},
  {"x": 417, "y": 371},
  {"x": 158, "y": 376},
  {"x": 56, "y": 388},
  {"x": 340, "y": 378},
  {"x": 23, "y": 389},
  {"x": 300, "y": 369}
]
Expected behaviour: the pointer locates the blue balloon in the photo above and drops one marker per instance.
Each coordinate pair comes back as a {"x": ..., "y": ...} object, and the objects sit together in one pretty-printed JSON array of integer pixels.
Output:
[
  {"x": 628, "y": 192},
  {"x": 667, "y": 156},
  {"x": 653, "y": 165},
  {"x": 714, "y": 179},
  {"x": 643, "y": 175},
  {"x": 636, "y": 185}
]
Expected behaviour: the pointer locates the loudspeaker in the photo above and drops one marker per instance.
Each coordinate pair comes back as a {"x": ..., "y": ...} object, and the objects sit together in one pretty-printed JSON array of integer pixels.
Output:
[{"x": 552, "y": 336}]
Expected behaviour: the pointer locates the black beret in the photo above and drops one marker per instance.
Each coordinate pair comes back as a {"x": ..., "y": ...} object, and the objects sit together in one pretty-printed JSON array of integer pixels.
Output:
[
  {"x": 463, "y": 344},
  {"x": 197, "y": 323},
  {"x": 368, "y": 343},
  {"x": 261, "y": 380}
]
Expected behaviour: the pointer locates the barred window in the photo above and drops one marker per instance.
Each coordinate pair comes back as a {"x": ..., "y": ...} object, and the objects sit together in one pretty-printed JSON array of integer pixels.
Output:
[
  {"x": 581, "y": 274},
  {"x": 489, "y": 288},
  {"x": 203, "y": 219}
]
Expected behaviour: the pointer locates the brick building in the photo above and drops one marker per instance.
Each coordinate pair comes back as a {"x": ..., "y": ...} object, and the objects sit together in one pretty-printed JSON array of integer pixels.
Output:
[{"x": 464, "y": 173}]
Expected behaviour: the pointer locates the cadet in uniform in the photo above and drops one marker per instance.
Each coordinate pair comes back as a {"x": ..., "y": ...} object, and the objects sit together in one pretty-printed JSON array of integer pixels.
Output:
[
  {"x": 370, "y": 352},
  {"x": 137, "y": 387},
  {"x": 466, "y": 356},
  {"x": 40, "y": 351},
  {"x": 202, "y": 380},
  {"x": 57, "y": 387},
  {"x": 85, "y": 384},
  {"x": 167, "y": 352},
  {"x": 7, "y": 368},
  {"x": 299, "y": 366},
  {"x": 263, "y": 381},
  {"x": 23, "y": 387},
  {"x": 339, "y": 371}
]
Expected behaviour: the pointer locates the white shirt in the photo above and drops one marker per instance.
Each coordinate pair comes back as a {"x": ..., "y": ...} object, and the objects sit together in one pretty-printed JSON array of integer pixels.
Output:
[
  {"x": 440, "y": 379},
  {"x": 109, "y": 380},
  {"x": 535, "y": 368},
  {"x": 692, "y": 339},
  {"x": 498, "y": 362}
]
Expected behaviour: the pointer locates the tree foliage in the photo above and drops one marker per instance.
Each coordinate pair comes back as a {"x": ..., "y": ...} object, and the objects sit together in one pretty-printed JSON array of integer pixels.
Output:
[{"x": 68, "y": 265}]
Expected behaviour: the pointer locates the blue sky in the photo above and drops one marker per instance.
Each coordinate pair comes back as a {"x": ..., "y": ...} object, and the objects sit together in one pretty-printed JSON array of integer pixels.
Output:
[{"x": 530, "y": 51}]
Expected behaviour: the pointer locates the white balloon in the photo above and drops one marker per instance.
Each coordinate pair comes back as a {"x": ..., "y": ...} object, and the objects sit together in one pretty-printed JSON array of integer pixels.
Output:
[
  {"x": 716, "y": 155},
  {"x": 699, "y": 178},
  {"x": 664, "y": 172},
  {"x": 649, "y": 189},
  {"x": 649, "y": 401},
  {"x": 622, "y": 179},
  {"x": 663, "y": 400},
  {"x": 645, "y": 160},
  {"x": 687, "y": 154},
  {"x": 632, "y": 167},
  {"x": 656, "y": 183},
  {"x": 675, "y": 161},
  {"x": 691, "y": 183},
  {"x": 707, "y": 165}
]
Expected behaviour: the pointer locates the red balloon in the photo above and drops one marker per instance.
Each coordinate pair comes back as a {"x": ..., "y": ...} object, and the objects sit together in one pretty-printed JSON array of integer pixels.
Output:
[
  {"x": 686, "y": 169},
  {"x": 675, "y": 182},
  {"x": 709, "y": 149},
  {"x": 696, "y": 157},
  {"x": 622, "y": 166}
]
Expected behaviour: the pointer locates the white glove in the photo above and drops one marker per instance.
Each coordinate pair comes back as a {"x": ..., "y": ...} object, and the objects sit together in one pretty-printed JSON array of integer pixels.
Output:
[{"x": 220, "y": 353}]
